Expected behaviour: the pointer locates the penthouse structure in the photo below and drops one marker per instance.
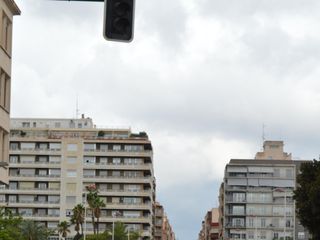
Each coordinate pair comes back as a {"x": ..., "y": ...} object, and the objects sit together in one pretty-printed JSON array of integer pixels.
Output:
[
  {"x": 53, "y": 160},
  {"x": 8, "y": 9},
  {"x": 257, "y": 196}
]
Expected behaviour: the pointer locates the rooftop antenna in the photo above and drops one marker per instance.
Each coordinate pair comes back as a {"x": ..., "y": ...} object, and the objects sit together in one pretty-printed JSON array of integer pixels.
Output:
[
  {"x": 77, "y": 108},
  {"x": 263, "y": 133}
]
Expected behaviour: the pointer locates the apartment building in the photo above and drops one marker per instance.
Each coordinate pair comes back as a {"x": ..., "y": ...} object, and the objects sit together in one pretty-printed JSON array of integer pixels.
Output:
[
  {"x": 53, "y": 160},
  {"x": 210, "y": 226},
  {"x": 8, "y": 9},
  {"x": 258, "y": 196},
  {"x": 162, "y": 228}
]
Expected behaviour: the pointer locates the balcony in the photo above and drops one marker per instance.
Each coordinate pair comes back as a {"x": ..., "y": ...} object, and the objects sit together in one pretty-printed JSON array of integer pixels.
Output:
[
  {"x": 119, "y": 179},
  {"x": 138, "y": 193},
  {"x": 126, "y": 219},
  {"x": 33, "y": 177},
  {"x": 33, "y": 204},
  {"x": 235, "y": 213},
  {"x": 41, "y": 217},
  {"x": 133, "y": 206},
  {"x": 35, "y": 151},
  {"x": 116, "y": 153},
  {"x": 110, "y": 166},
  {"x": 31, "y": 190},
  {"x": 36, "y": 164}
]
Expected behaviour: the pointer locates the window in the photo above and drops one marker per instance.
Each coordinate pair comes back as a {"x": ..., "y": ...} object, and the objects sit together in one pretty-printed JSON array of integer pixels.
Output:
[
  {"x": 71, "y": 199},
  {"x": 25, "y": 124},
  {"x": 89, "y": 160},
  {"x": 239, "y": 197},
  {"x": 71, "y": 160},
  {"x": 116, "y": 147},
  {"x": 72, "y": 147},
  {"x": 116, "y": 161},
  {"x": 55, "y": 172},
  {"x": 263, "y": 235},
  {"x": 53, "y": 199},
  {"x": 6, "y": 30},
  {"x": 28, "y": 145},
  {"x": 57, "y": 124},
  {"x": 55, "y": 146},
  {"x": 13, "y": 185},
  {"x": 14, "y": 159},
  {"x": 71, "y": 173},
  {"x": 89, "y": 146},
  {"x": 14, "y": 146},
  {"x": 53, "y": 212},
  {"x": 251, "y": 235},
  {"x": 251, "y": 222},
  {"x": 301, "y": 235},
  {"x": 289, "y": 173},
  {"x": 263, "y": 222}
]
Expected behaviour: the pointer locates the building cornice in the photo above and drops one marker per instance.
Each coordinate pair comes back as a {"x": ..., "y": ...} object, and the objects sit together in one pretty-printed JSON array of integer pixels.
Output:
[{"x": 13, "y": 7}]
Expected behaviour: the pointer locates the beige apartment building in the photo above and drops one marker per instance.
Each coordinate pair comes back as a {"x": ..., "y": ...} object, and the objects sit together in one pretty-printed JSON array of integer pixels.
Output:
[
  {"x": 257, "y": 196},
  {"x": 53, "y": 160},
  {"x": 8, "y": 9}
]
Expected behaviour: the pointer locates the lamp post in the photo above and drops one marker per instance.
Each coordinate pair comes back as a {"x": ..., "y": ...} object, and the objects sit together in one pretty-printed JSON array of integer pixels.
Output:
[{"x": 85, "y": 216}]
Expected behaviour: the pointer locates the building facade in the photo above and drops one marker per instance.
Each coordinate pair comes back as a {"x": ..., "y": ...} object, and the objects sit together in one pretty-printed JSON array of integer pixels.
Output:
[
  {"x": 53, "y": 160},
  {"x": 258, "y": 196},
  {"x": 210, "y": 226},
  {"x": 8, "y": 9},
  {"x": 162, "y": 228}
]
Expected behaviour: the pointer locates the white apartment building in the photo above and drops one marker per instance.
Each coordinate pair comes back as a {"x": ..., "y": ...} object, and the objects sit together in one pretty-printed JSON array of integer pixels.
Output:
[
  {"x": 8, "y": 9},
  {"x": 258, "y": 196},
  {"x": 53, "y": 160}
]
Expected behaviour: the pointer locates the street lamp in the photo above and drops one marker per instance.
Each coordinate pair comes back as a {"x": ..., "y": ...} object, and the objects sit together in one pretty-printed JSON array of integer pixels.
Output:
[{"x": 85, "y": 216}]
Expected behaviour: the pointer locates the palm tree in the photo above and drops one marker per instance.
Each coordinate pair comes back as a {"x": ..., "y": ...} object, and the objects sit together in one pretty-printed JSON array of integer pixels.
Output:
[
  {"x": 98, "y": 204},
  {"x": 121, "y": 232},
  {"x": 31, "y": 230},
  {"x": 78, "y": 218},
  {"x": 63, "y": 229}
]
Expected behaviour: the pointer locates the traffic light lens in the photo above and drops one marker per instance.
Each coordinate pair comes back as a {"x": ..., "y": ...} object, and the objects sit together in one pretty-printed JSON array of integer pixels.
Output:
[
  {"x": 121, "y": 25},
  {"x": 122, "y": 8}
]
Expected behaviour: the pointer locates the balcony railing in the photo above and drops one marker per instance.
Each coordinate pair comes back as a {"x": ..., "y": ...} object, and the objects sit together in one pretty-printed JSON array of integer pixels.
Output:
[
  {"x": 34, "y": 162},
  {"x": 35, "y": 175},
  {"x": 35, "y": 149},
  {"x": 115, "y": 177}
]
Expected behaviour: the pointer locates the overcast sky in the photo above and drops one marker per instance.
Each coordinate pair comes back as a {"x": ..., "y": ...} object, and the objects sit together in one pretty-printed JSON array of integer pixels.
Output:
[{"x": 201, "y": 77}]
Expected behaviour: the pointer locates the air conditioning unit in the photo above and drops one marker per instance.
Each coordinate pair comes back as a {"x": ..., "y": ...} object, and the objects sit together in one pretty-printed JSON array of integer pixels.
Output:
[{"x": 68, "y": 213}]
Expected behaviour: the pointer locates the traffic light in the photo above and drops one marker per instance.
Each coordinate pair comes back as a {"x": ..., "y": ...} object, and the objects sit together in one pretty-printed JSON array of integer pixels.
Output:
[{"x": 118, "y": 20}]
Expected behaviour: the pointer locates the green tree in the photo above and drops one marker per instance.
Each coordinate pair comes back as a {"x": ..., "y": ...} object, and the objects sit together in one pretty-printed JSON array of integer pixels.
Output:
[
  {"x": 78, "y": 218},
  {"x": 9, "y": 225},
  {"x": 307, "y": 197},
  {"x": 31, "y": 230},
  {"x": 63, "y": 229}
]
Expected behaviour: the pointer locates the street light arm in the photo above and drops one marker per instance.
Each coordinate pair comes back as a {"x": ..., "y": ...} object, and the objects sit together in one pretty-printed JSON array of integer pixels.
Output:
[{"x": 80, "y": 0}]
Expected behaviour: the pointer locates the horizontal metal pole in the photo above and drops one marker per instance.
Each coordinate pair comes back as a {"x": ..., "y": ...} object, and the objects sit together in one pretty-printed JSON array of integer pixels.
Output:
[{"x": 81, "y": 0}]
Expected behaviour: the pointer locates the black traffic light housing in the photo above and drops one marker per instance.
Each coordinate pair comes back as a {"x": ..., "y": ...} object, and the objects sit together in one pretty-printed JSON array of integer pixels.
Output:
[{"x": 119, "y": 20}]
